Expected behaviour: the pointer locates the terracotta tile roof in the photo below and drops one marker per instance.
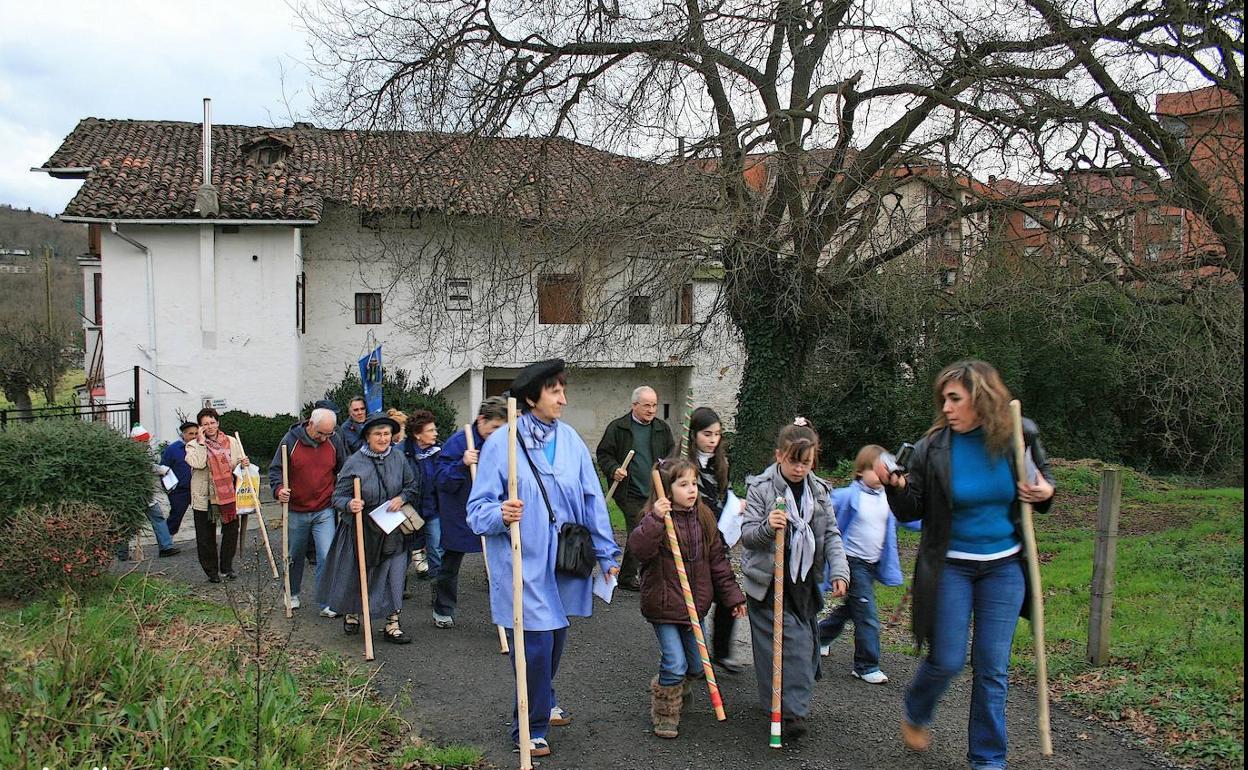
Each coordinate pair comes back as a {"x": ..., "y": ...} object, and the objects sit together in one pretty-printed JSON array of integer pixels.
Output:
[
  {"x": 151, "y": 170},
  {"x": 1186, "y": 103}
]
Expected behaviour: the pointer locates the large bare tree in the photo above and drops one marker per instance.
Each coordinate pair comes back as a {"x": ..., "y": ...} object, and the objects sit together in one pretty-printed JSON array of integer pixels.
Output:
[{"x": 810, "y": 113}]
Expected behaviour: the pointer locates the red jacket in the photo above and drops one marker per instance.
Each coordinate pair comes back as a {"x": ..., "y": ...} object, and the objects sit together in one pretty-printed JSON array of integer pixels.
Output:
[{"x": 710, "y": 574}]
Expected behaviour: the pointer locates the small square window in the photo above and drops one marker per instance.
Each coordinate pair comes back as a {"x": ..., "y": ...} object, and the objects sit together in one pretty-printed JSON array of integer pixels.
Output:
[
  {"x": 367, "y": 308},
  {"x": 559, "y": 299},
  {"x": 458, "y": 294},
  {"x": 639, "y": 309}
]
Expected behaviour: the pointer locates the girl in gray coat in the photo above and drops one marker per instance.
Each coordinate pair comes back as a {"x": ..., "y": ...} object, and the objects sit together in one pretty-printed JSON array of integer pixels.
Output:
[{"x": 811, "y": 541}]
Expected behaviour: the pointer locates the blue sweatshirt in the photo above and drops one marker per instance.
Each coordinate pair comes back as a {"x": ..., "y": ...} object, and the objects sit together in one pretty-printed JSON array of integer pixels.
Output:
[{"x": 982, "y": 488}]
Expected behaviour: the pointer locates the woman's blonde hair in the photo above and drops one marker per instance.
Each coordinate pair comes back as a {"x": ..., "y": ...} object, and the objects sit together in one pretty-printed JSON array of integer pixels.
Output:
[{"x": 989, "y": 398}]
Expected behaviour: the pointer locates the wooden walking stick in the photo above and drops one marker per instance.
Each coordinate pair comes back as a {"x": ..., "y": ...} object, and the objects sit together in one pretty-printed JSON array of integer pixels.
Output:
[
  {"x": 1033, "y": 577},
  {"x": 503, "y": 649},
  {"x": 777, "y": 632},
  {"x": 255, "y": 490},
  {"x": 517, "y": 597},
  {"x": 285, "y": 536},
  {"x": 684, "y": 433},
  {"x": 717, "y": 702},
  {"x": 365, "y": 615},
  {"x": 628, "y": 458}
]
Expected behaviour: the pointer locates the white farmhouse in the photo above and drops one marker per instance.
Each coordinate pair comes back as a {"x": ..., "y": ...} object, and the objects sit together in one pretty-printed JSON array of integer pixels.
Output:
[{"x": 465, "y": 258}]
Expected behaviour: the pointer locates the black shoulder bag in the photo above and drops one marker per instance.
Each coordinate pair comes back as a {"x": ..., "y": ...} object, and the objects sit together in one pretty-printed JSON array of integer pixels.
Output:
[{"x": 575, "y": 554}]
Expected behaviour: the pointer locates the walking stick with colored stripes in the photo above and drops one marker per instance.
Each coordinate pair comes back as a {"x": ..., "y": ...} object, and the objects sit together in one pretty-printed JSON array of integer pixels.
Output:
[
  {"x": 684, "y": 433},
  {"x": 517, "y": 597},
  {"x": 503, "y": 649},
  {"x": 717, "y": 702},
  {"x": 1037, "y": 593},
  {"x": 777, "y": 632}
]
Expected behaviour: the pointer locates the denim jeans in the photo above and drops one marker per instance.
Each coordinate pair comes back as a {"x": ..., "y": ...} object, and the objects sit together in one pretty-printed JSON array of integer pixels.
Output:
[
  {"x": 859, "y": 607},
  {"x": 320, "y": 526},
  {"x": 433, "y": 545},
  {"x": 992, "y": 593},
  {"x": 160, "y": 528},
  {"x": 678, "y": 652}
]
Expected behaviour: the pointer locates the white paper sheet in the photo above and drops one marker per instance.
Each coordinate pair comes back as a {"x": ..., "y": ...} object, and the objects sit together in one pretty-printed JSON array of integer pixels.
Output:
[
  {"x": 604, "y": 588},
  {"x": 387, "y": 519},
  {"x": 169, "y": 480},
  {"x": 730, "y": 519}
]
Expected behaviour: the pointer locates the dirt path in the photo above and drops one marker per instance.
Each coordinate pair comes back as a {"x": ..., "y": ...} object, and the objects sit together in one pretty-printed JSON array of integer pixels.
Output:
[{"x": 461, "y": 691}]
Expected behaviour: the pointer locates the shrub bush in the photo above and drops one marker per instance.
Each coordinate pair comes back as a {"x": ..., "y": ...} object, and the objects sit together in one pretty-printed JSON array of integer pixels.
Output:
[
  {"x": 58, "y": 545},
  {"x": 398, "y": 392},
  {"x": 87, "y": 462},
  {"x": 260, "y": 435}
]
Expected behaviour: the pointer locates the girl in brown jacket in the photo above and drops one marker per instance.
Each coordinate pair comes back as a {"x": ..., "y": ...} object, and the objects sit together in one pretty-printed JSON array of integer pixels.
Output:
[{"x": 662, "y": 601}]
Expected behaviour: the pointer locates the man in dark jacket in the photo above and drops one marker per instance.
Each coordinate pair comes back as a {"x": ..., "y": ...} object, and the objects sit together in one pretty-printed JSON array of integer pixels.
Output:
[
  {"x": 314, "y": 455},
  {"x": 651, "y": 440},
  {"x": 352, "y": 429},
  {"x": 174, "y": 456}
]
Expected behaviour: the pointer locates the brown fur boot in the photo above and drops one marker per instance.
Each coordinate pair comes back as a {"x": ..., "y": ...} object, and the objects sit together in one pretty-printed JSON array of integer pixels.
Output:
[{"x": 665, "y": 708}]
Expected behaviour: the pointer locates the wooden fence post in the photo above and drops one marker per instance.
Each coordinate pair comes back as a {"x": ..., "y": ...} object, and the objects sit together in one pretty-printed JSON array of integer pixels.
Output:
[{"x": 1103, "y": 562}]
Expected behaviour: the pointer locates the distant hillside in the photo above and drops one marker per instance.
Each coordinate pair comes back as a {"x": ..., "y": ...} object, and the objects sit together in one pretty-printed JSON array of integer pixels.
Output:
[{"x": 26, "y": 229}]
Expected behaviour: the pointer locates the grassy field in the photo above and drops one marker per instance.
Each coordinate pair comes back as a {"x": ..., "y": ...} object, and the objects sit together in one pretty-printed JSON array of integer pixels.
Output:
[
  {"x": 64, "y": 391},
  {"x": 141, "y": 669},
  {"x": 1176, "y": 675}
]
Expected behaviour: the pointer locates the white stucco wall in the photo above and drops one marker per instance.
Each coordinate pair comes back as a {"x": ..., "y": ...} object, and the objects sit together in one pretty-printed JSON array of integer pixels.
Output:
[
  {"x": 248, "y": 354},
  {"x": 409, "y": 266}
]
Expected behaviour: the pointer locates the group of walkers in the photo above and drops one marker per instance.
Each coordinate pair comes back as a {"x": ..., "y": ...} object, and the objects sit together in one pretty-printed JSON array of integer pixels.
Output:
[{"x": 959, "y": 485}]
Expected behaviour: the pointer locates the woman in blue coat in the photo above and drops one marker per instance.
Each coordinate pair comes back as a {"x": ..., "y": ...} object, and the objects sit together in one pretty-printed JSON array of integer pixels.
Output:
[
  {"x": 452, "y": 482},
  {"x": 553, "y": 465}
]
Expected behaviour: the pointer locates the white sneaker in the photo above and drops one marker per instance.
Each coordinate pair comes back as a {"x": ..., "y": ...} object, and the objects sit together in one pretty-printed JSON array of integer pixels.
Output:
[
  {"x": 326, "y": 612},
  {"x": 825, "y": 650},
  {"x": 872, "y": 677},
  {"x": 443, "y": 621},
  {"x": 294, "y": 602}
]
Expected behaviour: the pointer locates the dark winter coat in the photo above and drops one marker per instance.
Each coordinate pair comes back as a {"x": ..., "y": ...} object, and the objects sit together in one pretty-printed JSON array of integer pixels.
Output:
[
  {"x": 927, "y": 497},
  {"x": 453, "y": 481},
  {"x": 381, "y": 479},
  {"x": 616, "y": 442},
  {"x": 710, "y": 574}
]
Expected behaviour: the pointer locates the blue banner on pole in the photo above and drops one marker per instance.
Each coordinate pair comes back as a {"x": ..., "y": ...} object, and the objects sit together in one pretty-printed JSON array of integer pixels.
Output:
[{"x": 370, "y": 376}]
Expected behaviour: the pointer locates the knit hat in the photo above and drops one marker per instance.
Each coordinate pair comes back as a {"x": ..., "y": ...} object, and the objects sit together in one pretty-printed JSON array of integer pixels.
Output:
[{"x": 139, "y": 433}]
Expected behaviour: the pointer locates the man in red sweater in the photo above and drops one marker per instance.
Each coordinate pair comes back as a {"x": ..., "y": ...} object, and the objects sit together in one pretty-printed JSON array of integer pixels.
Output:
[{"x": 314, "y": 455}]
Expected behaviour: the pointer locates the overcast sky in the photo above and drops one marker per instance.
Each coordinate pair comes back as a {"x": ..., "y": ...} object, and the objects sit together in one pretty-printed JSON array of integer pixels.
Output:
[{"x": 64, "y": 60}]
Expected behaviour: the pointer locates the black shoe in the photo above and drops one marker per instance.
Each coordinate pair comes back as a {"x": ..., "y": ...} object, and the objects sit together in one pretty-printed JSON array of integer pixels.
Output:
[
  {"x": 350, "y": 625},
  {"x": 214, "y": 578},
  {"x": 231, "y": 575},
  {"x": 630, "y": 584},
  {"x": 167, "y": 552},
  {"x": 795, "y": 728}
]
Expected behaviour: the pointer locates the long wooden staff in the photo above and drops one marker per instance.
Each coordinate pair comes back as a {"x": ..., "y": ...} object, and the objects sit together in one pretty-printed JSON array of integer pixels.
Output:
[
  {"x": 359, "y": 560},
  {"x": 1033, "y": 576},
  {"x": 684, "y": 433},
  {"x": 628, "y": 458},
  {"x": 485, "y": 555},
  {"x": 255, "y": 490},
  {"x": 286, "y": 536},
  {"x": 517, "y": 597},
  {"x": 777, "y": 632},
  {"x": 717, "y": 702}
]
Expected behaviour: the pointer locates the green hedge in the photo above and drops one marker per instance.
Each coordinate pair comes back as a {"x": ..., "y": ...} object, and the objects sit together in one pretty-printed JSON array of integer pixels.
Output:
[
  {"x": 398, "y": 391},
  {"x": 260, "y": 435}
]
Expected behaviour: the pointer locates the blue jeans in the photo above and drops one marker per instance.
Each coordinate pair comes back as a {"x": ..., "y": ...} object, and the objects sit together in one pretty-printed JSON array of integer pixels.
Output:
[
  {"x": 678, "y": 653},
  {"x": 859, "y": 606},
  {"x": 164, "y": 540},
  {"x": 991, "y": 592},
  {"x": 433, "y": 545},
  {"x": 320, "y": 526}
]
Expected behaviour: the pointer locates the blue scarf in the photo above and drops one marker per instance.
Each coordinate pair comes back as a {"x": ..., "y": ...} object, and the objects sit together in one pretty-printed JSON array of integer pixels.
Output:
[{"x": 534, "y": 432}]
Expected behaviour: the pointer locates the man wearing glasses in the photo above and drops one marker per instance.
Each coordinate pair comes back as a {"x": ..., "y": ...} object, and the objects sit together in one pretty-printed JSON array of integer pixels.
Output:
[
  {"x": 642, "y": 432},
  {"x": 314, "y": 455}
]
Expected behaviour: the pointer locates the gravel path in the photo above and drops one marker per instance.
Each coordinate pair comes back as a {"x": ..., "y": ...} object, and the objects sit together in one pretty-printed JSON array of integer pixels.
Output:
[{"x": 461, "y": 691}]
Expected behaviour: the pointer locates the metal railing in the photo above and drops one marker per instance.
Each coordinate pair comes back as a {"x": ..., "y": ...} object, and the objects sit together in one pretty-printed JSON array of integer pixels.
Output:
[{"x": 117, "y": 414}]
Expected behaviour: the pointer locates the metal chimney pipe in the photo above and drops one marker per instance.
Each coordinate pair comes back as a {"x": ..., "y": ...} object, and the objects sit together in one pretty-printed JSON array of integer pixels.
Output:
[{"x": 207, "y": 180}]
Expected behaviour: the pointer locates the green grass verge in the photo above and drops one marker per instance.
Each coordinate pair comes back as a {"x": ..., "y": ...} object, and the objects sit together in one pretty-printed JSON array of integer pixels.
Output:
[
  {"x": 141, "y": 669},
  {"x": 1176, "y": 675},
  {"x": 452, "y": 756}
]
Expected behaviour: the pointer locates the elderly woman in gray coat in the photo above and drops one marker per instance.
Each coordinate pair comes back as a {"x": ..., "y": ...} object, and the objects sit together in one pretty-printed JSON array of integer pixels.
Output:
[
  {"x": 811, "y": 541},
  {"x": 385, "y": 478}
]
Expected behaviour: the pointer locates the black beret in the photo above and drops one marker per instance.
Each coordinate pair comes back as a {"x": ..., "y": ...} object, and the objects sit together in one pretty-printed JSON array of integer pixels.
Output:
[
  {"x": 528, "y": 382},
  {"x": 325, "y": 403}
]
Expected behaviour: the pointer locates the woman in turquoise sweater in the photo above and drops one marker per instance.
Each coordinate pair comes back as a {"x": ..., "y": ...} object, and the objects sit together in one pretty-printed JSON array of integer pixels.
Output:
[{"x": 961, "y": 484}]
